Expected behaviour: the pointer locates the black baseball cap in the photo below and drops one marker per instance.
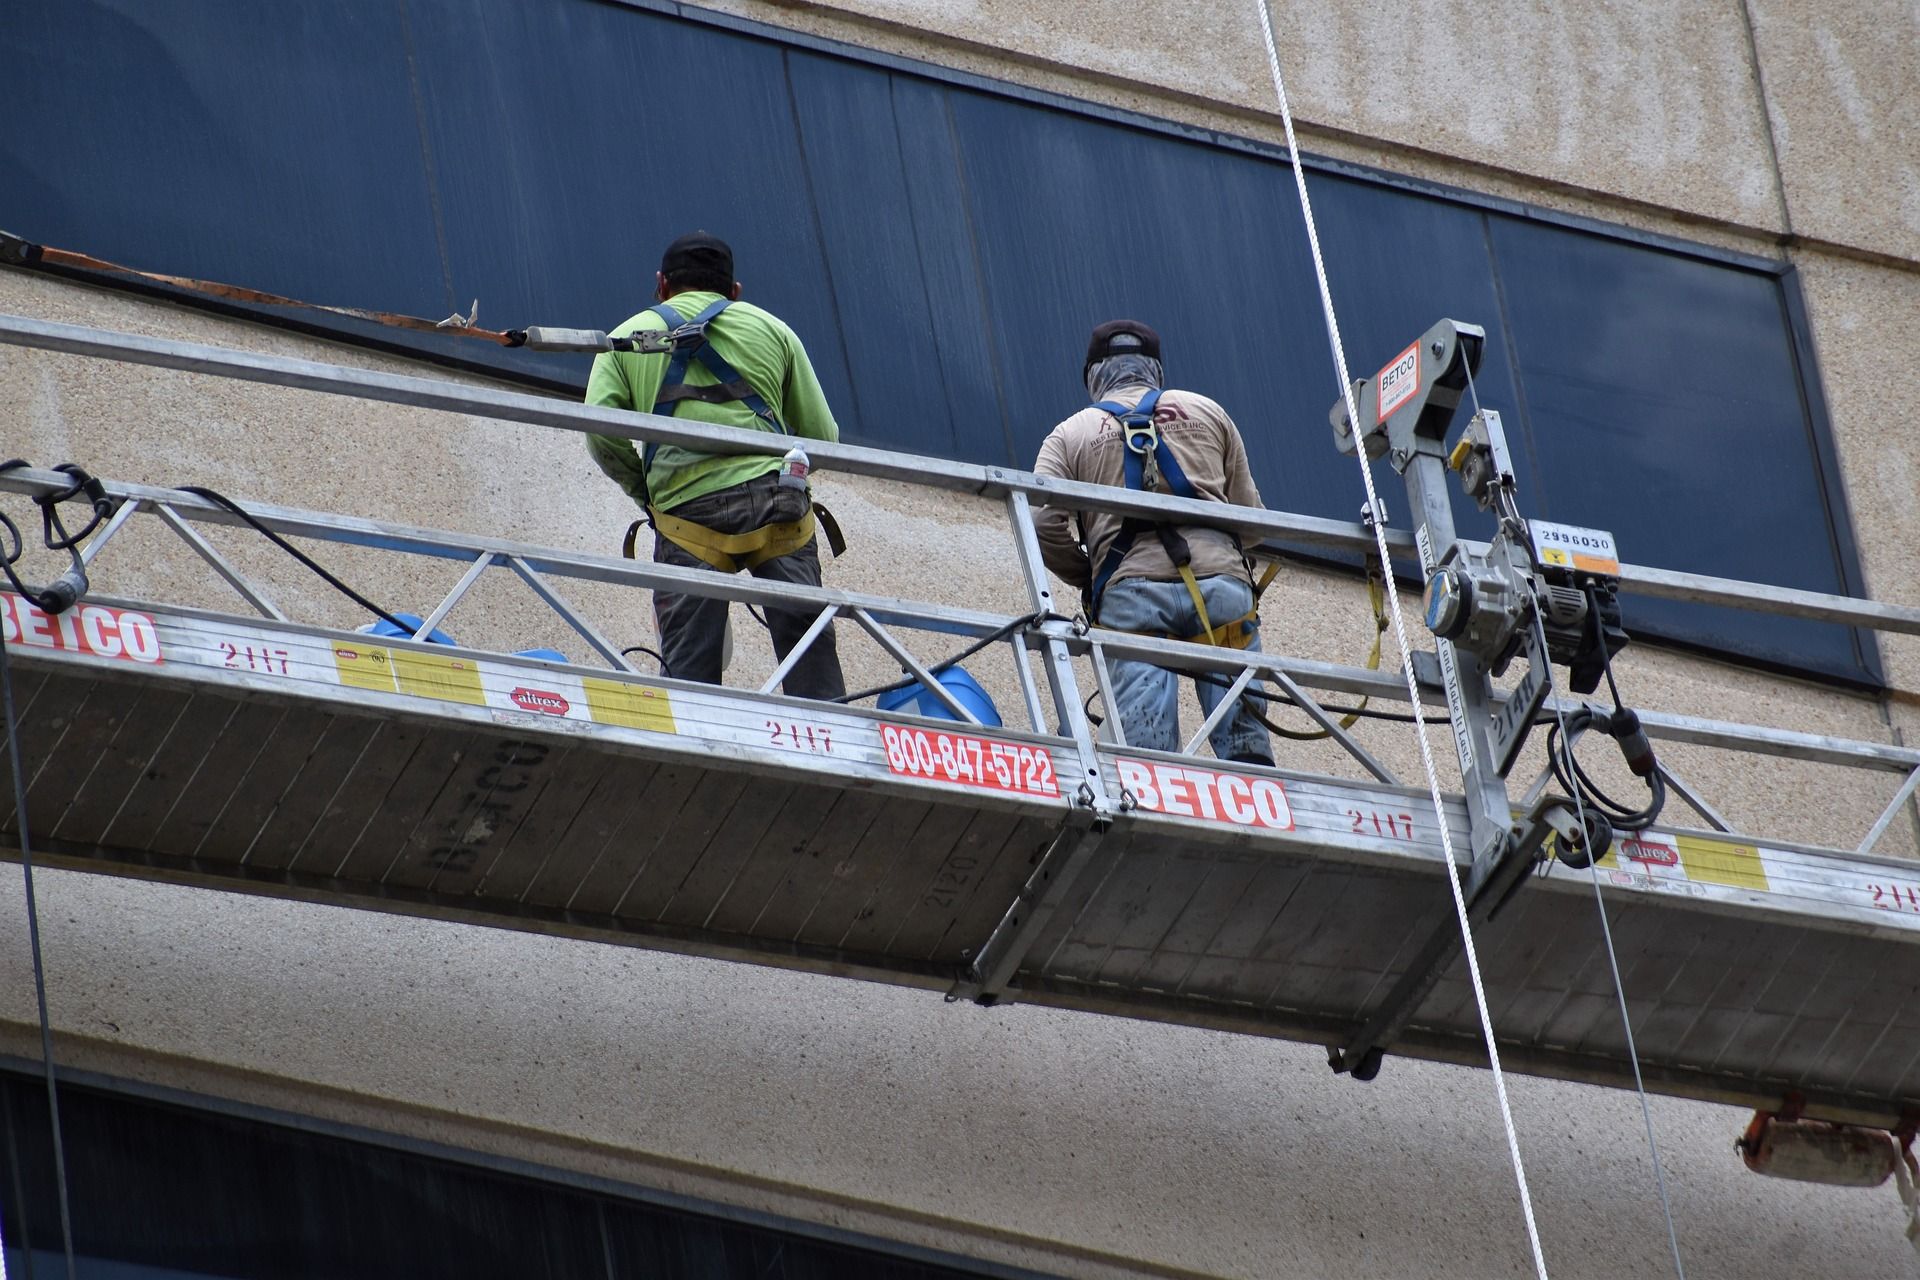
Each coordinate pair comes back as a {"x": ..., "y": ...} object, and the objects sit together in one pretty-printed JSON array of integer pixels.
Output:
[
  {"x": 700, "y": 251},
  {"x": 1121, "y": 337}
]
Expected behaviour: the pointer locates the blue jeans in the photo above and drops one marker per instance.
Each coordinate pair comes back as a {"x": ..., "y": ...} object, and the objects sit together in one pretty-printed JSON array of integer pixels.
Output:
[{"x": 1149, "y": 695}]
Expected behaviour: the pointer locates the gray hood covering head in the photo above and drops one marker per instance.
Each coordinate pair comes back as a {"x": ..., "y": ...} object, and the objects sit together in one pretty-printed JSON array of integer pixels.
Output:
[{"x": 1124, "y": 370}]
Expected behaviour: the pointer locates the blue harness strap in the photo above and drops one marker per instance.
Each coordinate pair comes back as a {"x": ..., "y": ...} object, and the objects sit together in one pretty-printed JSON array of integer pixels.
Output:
[
  {"x": 1141, "y": 441},
  {"x": 690, "y": 343}
]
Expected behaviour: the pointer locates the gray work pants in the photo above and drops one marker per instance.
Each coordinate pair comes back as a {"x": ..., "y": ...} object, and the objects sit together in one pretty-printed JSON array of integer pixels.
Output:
[{"x": 693, "y": 628}]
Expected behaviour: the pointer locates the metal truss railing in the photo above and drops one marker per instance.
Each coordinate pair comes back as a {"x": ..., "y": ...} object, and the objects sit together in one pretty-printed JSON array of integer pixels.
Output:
[{"x": 1052, "y": 703}]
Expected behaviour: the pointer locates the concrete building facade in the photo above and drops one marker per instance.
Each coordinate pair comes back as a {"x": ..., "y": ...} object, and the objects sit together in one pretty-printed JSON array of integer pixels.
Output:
[{"x": 1065, "y": 1143}]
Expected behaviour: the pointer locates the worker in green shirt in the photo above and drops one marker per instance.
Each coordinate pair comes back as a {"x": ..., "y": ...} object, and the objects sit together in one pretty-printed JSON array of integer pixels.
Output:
[{"x": 738, "y": 366}]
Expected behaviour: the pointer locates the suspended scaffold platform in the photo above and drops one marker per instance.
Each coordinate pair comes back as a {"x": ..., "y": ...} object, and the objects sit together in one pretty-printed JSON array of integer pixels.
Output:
[{"x": 1041, "y": 864}]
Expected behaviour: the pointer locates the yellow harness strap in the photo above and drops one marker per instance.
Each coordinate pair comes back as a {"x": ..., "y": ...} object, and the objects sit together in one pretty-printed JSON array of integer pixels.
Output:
[
  {"x": 1376, "y": 596},
  {"x": 1237, "y": 634},
  {"x": 732, "y": 552}
]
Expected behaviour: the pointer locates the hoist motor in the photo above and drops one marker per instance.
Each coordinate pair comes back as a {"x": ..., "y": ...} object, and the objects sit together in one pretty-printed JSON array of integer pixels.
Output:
[{"x": 1486, "y": 602}]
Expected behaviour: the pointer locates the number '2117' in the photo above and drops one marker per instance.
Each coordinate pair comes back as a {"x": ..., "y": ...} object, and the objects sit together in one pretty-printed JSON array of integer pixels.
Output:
[
  {"x": 1896, "y": 897},
  {"x": 1398, "y": 826}
]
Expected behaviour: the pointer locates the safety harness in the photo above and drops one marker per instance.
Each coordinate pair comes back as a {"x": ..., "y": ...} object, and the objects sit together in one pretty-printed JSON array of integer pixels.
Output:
[
  {"x": 1148, "y": 469},
  {"x": 727, "y": 552}
]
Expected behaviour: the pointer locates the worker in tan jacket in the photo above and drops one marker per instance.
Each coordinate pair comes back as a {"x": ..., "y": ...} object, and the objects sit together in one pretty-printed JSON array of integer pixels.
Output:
[{"x": 1187, "y": 582}]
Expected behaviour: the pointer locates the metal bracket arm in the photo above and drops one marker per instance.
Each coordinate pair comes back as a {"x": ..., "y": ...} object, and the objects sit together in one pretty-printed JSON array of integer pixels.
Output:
[
  {"x": 1485, "y": 894},
  {"x": 999, "y": 958}
]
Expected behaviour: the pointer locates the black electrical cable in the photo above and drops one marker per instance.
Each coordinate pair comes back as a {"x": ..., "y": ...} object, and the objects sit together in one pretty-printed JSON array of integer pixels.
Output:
[
  {"x": 200, "y": 491},
  {"x": 1031, "y": 620},
  {"x": 33, "y": 942},
  {"x": 1365, "y": 713},
  {"x": 50, "y": 503},
  {"x": 640, "y": 648},
  {"x": 1624, "y": 726}
]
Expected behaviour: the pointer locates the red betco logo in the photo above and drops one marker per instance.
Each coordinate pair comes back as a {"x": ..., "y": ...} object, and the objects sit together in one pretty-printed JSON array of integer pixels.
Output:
[
  {"x": 542, "y": 700},
  {"x": 1398, "y": 382},
  {"x": 1654, "y": 855}
]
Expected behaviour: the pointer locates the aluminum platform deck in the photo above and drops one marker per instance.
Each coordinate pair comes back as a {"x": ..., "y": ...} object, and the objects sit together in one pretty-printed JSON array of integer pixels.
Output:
[{"x": 271, "y": 757}]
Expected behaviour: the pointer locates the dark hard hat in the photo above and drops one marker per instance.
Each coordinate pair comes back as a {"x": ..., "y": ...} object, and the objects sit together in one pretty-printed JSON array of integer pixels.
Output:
[
  {"x": 700, "y": 251},
  {"x": 1121, "y": 337}
]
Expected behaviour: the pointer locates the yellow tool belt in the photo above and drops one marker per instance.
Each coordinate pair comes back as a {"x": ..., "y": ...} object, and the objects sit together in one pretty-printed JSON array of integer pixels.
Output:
[{"x": 732, "y": 552}]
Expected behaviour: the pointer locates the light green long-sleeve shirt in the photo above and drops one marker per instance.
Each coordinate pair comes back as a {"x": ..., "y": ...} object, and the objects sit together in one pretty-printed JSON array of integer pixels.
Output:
[{"x": 767, "y": 354}]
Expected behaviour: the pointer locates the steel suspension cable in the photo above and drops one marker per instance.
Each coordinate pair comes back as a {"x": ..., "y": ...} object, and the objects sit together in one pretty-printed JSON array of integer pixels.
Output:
[{"x": 1400, "y": 638}]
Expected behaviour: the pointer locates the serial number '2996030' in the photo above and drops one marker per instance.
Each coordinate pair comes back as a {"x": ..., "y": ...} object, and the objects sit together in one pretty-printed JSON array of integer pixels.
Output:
[{"x": 968, "y": 760}]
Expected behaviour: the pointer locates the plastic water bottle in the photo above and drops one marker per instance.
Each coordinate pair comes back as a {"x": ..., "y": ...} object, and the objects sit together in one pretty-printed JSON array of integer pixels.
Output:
[{"x": 794, "y": 468}]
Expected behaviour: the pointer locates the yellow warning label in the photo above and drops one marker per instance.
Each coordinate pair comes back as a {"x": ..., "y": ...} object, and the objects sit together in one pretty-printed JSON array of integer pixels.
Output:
[
  {"x": 629, "y": 706},
  {"x": 1719, "y": 862},
  {"x": 428, "y": 675},
  {"x": 364, "y": 667}
]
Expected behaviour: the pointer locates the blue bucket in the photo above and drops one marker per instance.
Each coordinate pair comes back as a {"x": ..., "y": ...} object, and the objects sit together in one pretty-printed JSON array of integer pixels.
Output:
[
  {"x": 381, "y": 627},
  {"x": 965, "y": 690},
  {"x": 548, "y": 655}
]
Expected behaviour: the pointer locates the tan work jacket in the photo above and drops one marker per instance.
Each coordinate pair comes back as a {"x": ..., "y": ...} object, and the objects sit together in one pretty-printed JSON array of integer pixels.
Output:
[{"x": 1088, "y": 447}]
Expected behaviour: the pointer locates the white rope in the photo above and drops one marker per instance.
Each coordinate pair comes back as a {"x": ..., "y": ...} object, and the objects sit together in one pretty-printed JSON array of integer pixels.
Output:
[{"x": 1400, "y": 638}]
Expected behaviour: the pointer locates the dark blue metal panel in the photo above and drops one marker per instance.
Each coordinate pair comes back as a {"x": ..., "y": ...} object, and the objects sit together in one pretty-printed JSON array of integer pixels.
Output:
[
  {"x": 857, "y": 196},
  {"x": 1396, "y": 264},
  {"x": 573, "y": 141},
  {"x": 942, "y": 249},
  {"x": 1078, "y": 222},
  {"x": 1665, "y": 405},
  {"x": 269, "y": 145},
  {"x": 952, "y": 275}
]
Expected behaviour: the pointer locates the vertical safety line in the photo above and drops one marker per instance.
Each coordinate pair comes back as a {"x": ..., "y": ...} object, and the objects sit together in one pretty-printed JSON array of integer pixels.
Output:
[
  {"x": 1512, "y": 347},
  {"x": 1452, "y": 875},
  {"x": 1606, "y": 925}
]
